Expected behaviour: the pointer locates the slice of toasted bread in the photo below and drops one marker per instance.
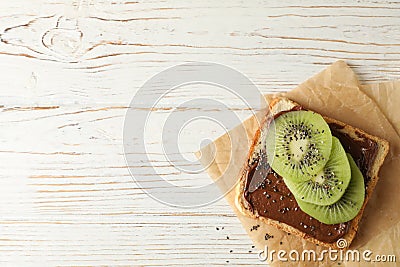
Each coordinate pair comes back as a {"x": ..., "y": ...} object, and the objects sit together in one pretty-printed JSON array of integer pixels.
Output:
[{"x": 282, "y": 104}]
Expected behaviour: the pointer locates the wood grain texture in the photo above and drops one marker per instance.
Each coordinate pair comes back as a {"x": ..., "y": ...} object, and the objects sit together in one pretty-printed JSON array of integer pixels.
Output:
[{"x": 69, "y": 70}]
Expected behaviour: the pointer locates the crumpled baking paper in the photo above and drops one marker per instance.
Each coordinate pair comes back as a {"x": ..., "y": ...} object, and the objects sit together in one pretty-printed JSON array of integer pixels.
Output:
[{"x": 337, "y": 93}]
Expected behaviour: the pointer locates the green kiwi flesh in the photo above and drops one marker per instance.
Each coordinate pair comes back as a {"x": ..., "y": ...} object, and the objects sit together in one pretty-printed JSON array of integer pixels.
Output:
[
  {"x": 347, "y": 207},
  {"x": 327, "y": 186},
  {"x": 298, "y": 144}
]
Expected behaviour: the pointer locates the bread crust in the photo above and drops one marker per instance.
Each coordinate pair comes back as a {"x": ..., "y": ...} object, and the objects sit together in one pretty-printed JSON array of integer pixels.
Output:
[{"x": 281, "y": 104}]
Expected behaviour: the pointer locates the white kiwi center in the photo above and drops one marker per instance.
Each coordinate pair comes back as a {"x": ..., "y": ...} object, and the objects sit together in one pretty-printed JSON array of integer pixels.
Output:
[
  {"x": 298, "y": 148},
  {"x": 320, "y": 177}
]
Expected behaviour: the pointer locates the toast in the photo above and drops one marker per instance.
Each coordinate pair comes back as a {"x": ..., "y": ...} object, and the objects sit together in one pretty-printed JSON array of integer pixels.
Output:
[{"x": 353, "y": 135}]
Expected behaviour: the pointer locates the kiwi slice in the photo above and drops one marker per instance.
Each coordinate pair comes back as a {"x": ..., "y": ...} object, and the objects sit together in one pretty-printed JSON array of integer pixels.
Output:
[
  {"x": 347, "y": 207},
  {"x": 299, "y": 145},
  {"x": 329, "y": 185}
]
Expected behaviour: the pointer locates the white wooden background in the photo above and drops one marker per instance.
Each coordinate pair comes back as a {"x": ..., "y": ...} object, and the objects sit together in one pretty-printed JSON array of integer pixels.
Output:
[{"x": 70, "y": 68}]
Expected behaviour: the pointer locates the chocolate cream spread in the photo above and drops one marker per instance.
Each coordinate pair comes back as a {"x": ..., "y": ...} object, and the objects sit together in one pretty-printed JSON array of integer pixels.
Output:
[{"x": 268, "y": 196}]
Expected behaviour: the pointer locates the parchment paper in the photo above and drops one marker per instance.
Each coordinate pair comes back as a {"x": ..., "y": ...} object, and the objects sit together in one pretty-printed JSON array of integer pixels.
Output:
[{"x": 334, "y": 92}]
